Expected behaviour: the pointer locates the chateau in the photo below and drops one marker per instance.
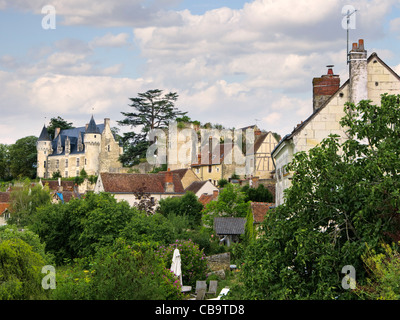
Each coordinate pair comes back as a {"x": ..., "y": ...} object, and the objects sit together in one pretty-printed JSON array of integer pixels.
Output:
[{"x": 92, "y": 147}]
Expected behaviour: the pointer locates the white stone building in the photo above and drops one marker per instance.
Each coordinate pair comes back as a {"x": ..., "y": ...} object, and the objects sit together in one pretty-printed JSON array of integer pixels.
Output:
[
  {"x": 91, "y": 147},
  {"x": 369, "y": 78}
]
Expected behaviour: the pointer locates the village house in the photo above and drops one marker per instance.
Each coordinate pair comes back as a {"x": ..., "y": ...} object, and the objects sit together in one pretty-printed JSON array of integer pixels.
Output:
[
  {"x": 259, "y": 159},
  {"x": 368, "y": 79},
  {"x": 259, "y": 210},
  {"x": 4, "y": 207},
  {"x": 219, "y": 164},
  {"x": 62, "y": 190},
  {"x": 92, "y": 147},
  {"x": 128, "y": 186}
]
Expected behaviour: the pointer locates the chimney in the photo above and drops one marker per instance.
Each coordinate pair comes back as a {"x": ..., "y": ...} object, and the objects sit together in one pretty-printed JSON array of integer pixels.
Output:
[
  {"x": 106, "y": 122},
  {"x": 215, "y": 194},
  {"x": 324, "y": 87},
  {"x": 358, "y": 72},
  {"x": 56, "y": 132},
  {"x": 60, "y": 188},
  {"x": 169, "y": 183},
  {"x": 257, "y": 132}
]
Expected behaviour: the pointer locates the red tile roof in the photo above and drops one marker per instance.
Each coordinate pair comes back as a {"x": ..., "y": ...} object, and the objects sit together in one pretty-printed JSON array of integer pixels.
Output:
[
  {"x": 136, "y": 182},
  {"x": 259, "y": 210},
  {"x": 5, "y": 197},
  {"x": 53, "y": 185}
]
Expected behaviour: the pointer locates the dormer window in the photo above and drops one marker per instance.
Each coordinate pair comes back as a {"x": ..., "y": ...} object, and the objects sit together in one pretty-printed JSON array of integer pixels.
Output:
[
  {"x": 67, "y": 145},
  {"x": 59, "y": 145}
]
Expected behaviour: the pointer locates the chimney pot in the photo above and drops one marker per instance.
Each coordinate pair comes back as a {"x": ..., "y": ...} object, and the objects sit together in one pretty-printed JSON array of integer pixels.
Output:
[
  {"x": 361, "y": 44},
  {"x": 355, "y": 46}
]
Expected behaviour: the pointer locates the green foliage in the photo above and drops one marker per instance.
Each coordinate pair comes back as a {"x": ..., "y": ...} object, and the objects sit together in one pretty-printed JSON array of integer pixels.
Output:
[
  {"x": 259, "y": 194},
  {"x": 342, "y": 198},
  {"x": 25, "y": 201},
  {"x": 152, "y": 110},
  {"x": 230, "y": 203},
  {"x": 119, "y": 272},
  {"x": 156, "y": 228},
  {"x": 20, "y": 271},
  {"x": 23, "y": 158},
  {"x": 5, "y": 173},
  {"x": 222, "y": 183},
  {"x": 56, "y": 174},
  {"x": 383, "y": 269},
  {"x": 9, "y": 232},
  {"x": 58, "y": 123},
  {"x": 194, "y": 262},
  {"x": 81, "y": 226},
  {"x": 187, "y": 206}
]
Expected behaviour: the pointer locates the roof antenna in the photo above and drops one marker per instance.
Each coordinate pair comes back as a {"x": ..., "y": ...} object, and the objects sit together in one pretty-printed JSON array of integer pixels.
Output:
[{"x": 349, "y": 26}]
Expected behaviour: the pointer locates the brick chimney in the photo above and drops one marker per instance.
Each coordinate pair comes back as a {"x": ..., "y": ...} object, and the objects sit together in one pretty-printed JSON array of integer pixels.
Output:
[
  {"x": 358, "y": 72},
  {"x": 169, "y": 183},
  {"x": 215, "y": 194},
  {"x": 324, "y": 87}
]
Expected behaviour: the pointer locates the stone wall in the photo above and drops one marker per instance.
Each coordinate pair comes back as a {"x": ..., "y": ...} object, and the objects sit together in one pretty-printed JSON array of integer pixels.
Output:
[{"x": 219, "y": 261}]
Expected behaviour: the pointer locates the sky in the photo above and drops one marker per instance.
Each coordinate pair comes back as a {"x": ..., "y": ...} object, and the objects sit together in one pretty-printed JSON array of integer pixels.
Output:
[{"x": 232, "y": 62}]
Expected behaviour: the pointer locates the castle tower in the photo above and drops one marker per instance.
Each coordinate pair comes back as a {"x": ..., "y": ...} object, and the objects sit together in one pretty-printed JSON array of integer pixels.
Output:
[
  {"x": 44, "y": 149},
  {"x": 92, "y": 142}
]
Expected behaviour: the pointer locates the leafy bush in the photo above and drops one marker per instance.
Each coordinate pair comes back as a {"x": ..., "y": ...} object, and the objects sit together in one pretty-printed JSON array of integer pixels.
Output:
[
  {"x": 194, "y": 262},
  {"x": 20, "y": 271},
  {"x": 188, "y": 206},
  {"x": 120, "y": 272}
]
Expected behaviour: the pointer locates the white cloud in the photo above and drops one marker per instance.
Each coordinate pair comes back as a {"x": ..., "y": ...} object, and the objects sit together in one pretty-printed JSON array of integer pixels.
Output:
[{"x": 110, "y": 40}]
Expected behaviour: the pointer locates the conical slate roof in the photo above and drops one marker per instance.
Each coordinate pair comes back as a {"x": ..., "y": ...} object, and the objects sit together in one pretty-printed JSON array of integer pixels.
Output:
[
  {"x": 44, "y": 135},
  {"x": 92, "y": 127}
]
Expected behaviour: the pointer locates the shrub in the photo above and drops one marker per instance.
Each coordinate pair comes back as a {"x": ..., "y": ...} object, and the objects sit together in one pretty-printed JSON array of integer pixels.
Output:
[
  {"x": 20, "y": 271},
  {"x": 120, "y": 272},
  {"x": 194, "y": 262}
]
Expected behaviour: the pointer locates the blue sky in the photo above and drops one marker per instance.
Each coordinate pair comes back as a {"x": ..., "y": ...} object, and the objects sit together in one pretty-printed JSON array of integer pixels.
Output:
[{"x": 232, "y": 62}]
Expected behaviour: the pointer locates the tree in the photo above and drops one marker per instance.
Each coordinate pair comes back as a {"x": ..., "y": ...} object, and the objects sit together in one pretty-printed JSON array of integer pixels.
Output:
[
  {"x": 188, "y": 206},
  {"x": 230, "y": 203},
  {"x": 58, "y": 123},
  {"x": 344, "y": 199},
  {"x": 259, "y": 194},
  {"x": 23, "y": 158},
  {"x": 152, "y": 110},
  {"x": 5, "y": 173},
  {"x": 25, "y": 202},
  {"x": 20, "y": 271}
]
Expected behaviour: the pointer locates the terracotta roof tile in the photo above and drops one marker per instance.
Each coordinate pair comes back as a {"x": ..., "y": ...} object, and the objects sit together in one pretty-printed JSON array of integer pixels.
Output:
[
  {"x": 135, "y": 182},
  {"x": 5, "y": 197},
  {"x": 259, "y": 210}
]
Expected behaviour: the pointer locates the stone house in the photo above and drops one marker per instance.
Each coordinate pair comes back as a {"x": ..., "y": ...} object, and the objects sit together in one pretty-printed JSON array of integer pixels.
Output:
[
  {"x": 260, "y": 160},
  {"x": 92, "y": 147},
  {"x": 368, "y": 79},
  {"x": 219, "y": 164},
  {"x": 126, "y": 186},
  {"x": 200, "y": 188},
  {"x": 4, "y": 207}
]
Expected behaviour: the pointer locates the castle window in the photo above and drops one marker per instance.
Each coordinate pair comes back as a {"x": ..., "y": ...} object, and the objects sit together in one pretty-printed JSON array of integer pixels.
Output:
[
  {"x": 108, "y": 148},
  {"x": 209, "y": 169},
  {"x": 66, "y": 163},
  {"x": 57, "y": 164},
  {"x": 44, "y": 164},
  {"x": 77, "y": 162},
  {"x": 66, "y": 174}
]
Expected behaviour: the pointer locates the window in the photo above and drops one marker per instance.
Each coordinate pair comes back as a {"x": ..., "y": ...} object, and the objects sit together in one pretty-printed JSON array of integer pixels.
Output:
[
  {"x": 45, "y": 164},
  {"x": 66, "y": 163},
  {"x": 217, "y": 169},
  {"x": 209, "y": 169},
  {"x": 77, "y": 173},
  {"x": 197, "y": 170},
  {"x": 77, "y": 162},
  {"x": 57, "y": 164},
  {"x": 66, "y": 174}
]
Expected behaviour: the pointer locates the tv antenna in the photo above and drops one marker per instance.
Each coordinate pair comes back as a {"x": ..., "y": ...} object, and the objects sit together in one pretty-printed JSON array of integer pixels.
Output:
[{"x": 347, "y": 29}]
